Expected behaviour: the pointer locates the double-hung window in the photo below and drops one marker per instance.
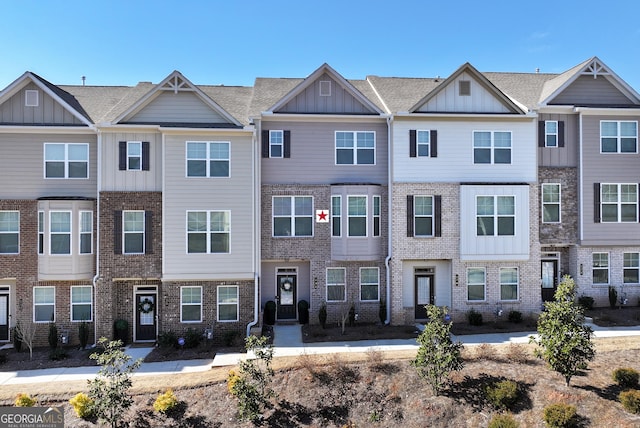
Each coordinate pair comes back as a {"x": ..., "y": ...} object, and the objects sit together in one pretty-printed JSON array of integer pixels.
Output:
[
  {"x": 86, "y": 232},
  {"x": 631, "y": 268},
  {"x": 133, "y": 223},
  {"x": 357, "y": 215},
  {"x": 492, "y": 147},
  {"x": 423, "y": 143},
  {"x": 208, "y": 158},
  {"x": 423, "y": 215},
  {"x": 551, "y": 202},
  {"x": 619, "y": 203},
  {"x": 228, "y": 303},
  {"x": 336, "y": 284},
  {"x": 81, "y": 303},
  {"x": 336, "y": 216},
  {"x": 276, "y": 144},
  {"x": 9, "y": 232},
  {"x": 551, "y": 133},
  {"x": 495, "y": 215},
  {"x": 355, "y": 147},
  {"x": 66, "y": 160},
  {"x": 618, "y": 136},
  {"x": 44, "y": 304},
  {"x": 134, "y": 155},
  {"x": 508, "y": 283},
  {"x": 40, "y": 232},
  {"x": 476, "y": 280},
  {"x": 369, "y": 284},
  {"x": 60, "y": 232},
  {"x": 600, "y": 268},
  {"x": 376, "y": 215},
  {"x": 190, "y": 304},
  {"x": 208, "y": 231},
  {"x": 292, "y": 216}
]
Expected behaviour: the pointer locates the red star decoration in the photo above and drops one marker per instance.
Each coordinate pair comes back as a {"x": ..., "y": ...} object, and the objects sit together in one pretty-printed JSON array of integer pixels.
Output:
[{"x": 322, "y": 215}]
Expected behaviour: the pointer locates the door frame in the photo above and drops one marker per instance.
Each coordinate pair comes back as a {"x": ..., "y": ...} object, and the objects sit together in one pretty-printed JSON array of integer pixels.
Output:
[
  {"x": 6, "y": 291},
  {"x": 145, "y": 290},
  {"x": 423, "y": 272},
  {"x": 292, "y": 272},
  {"x": 555, "y": 259}
]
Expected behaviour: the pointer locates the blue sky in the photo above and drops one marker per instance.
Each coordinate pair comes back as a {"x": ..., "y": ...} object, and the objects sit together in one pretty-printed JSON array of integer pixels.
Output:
[{"x": 231, "y": 42}]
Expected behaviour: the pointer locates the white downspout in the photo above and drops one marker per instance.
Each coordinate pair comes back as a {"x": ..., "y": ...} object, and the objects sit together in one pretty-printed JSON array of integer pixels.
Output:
[
  {"x": 389, "y": 220},
  {"x": 97, "y": 243},
  {"x": 256, "y": 228}
]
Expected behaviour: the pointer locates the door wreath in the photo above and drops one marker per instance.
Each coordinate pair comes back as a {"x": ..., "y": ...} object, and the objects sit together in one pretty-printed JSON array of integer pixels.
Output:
[{"x": 145, "y": 306}]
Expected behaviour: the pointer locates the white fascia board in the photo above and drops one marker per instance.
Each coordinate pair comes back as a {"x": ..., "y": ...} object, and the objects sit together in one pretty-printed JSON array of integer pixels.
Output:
[
  {"x": 463, "y": 116},
  {"x": 323, "y": 118},
  {"x": 20, "y": 129},
  {"x": 206, "y": 131},
  {"x": 568, "y": 109},
  {"x": 603, "y": 111}
]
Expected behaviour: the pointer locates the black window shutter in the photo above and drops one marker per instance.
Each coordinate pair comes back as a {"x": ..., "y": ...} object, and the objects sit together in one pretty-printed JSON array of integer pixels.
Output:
[
  {"x": 117, "y": 232},
  {"x": 148, "y": 232},
  {"x": 437, "y": 215},
  {"x": 122, "y": 155},
  {"x": 265, "y": 144},
  {"x": 596, "y": 202},
  {"x": 434, "y": 143},
  {"x": 541, "y": 134},
  {"x": 412, "y": 143},
  {"x": 145, "y": 156},
  {"x": 409, "y": 215},
  {"x": 287, "y": 144},
  {"x": 561, "y": 133}
]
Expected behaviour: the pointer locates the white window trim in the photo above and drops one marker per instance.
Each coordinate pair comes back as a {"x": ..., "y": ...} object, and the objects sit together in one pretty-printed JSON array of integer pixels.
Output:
[
  {"x": 66, "y": 161},
  {"x": 208, "y": 232},
  {"x": 41, "y": 287},
  {"x": 496, "y": 215},
  {"x": 377, "y": 283},
  {"x": 218, "y": 304},
  {"x": 207, "y": 160},
  {"x": 183, "y": 304},
  {"x": 375, "y": 216},
  {"x": 418, "y": 143},
  {"x": 559, "y": 203},
  {"x": 13, "y": 232},
  {"x": 72, "y": 303},
  {"x": 344, "y": 285},
  {"x": 365, "y": 216},
  {"x": 80, "y": 232},
  {"x": 335, "y": 217},
  {"x": 618, "y": 137},
  {"x": 129, "y": 156},
  {"x": 636, "y": 268},
  {"x": 517, "y": 284},
  {"x": 492, "y": 147},
  {"x": 70, "y": 233},
  {"x": 124, "y": 232},
  {"x": 354, "y": 148},
  {"x": 41, "y": 234},
  {"x": 619, "y": 202},
  {"x": 32, "y": 95},
  {"x": 293, "y": 216},
  {"x": 484, "y": 284},
  {"x": 608, "y": 268},
  {"x": 281, "y": 144},
  {"x": 415, "y": 234},
  {"x": 325, "y": 88},
  {"x": 547, "y": 134}
]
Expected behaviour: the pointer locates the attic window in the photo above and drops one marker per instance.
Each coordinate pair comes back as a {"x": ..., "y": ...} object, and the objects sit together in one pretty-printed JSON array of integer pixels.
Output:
[
  {"x": 325, "y": 88},
  {"x": 31, "y": 98},
  {"x": 464, "y": 88}
]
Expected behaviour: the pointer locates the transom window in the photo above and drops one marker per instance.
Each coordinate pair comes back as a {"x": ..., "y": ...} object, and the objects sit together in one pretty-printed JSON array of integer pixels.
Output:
[
  {"x": 134, "y": 155},
  {"x": 476, "y": 280},
  {"x": 508, "y": 283},
  {"x": 60, "y": 232},
  {"x": 336, "y": 284},
  {"x": 208, "y": 158},
  {"x": 423, "y": 143},
  {"x": 66, "y": 160},
  {"x": 86, "y": 232},
  {"x": 600, "y": 268},
  {"x": 357, "y": 215},
  {"x": 619, "y": 203},
  {"x": 276, "y": 144},
  {"x": 9, "y": 232},
  {"x": 495, "y": 215},
  {"x": 292, "y": 216},
  {"x": 81, "y": 303},
  {"x": 423, "y": 215},
  {"x": 208, "y": 231},
  {"x": 631, "y": 268},
  {"x": 133, "y": 236},
  {"x": 551, "y": 133},
  {"x": 228, "y": 303},
  {"x": 492, "y": 147},
  {"x": 369, "y": 284},
  {"x": 44, "y": 304},
  {"x": 551, "y": 203},
  {"x": 618, "y": 136},
  {"x": 190, "y": 304},
  {"x": 355, "y": 147}
]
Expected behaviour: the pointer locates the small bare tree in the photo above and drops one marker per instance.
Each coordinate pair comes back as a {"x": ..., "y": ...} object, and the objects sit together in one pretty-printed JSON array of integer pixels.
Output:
[{"x": 27, "y": 333}]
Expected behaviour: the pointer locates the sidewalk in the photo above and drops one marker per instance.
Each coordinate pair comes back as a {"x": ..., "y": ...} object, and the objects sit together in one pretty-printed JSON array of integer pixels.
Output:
[{"x": 287, "y": 342}]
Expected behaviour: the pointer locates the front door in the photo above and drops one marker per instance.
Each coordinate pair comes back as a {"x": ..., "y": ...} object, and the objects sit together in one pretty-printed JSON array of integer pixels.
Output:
[
  {"x": 424, "y": 294},
  {"x": 287, "y": 297},
  {"x": 4, "y": 317},
  {"x": 145, "y": 315},
  {"x": 549, "y": 279}
]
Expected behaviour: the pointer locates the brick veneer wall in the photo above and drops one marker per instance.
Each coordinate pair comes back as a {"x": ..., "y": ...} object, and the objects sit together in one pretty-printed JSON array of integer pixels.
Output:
[{"x": 565, "y": 232}]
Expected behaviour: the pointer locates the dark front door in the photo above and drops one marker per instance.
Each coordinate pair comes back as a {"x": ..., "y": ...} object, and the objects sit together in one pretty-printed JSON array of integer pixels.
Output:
[
  {"x": 287, "y": 297},
  {"x": 4, "y": 317},
  {"x": 145, "y": 316},
  {"x": 424, "y": 294},
  {"x": 549, "y": 280}
]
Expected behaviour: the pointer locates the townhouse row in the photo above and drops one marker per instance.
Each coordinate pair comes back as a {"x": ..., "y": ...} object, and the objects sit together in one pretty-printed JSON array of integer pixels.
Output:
[{"x": 177, "y": 206}]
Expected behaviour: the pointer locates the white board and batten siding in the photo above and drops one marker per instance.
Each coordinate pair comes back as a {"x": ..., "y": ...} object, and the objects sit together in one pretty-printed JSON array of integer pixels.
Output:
[
  {"x": 181, "y": 107},
  {"x": 47, "y": 111},
  {"x": 234, "y": 194},
  {"x": 454, "y": 161},
  {"x": 114, "y": 180},
  {"x": 568, "y": 155}
]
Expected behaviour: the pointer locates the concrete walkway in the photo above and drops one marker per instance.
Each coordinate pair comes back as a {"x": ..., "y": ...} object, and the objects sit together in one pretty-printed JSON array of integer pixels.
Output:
[{"x": 287, "y": 342}]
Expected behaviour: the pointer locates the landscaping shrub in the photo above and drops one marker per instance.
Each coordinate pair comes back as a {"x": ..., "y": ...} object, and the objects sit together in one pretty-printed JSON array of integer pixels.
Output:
[
  {"x": 515, "y": 317},
  {"x": 3, "y": 358},
  {"x": 17, "y": 338},
  {"x": 192, "y": 338},
  {"x": 82, "y": 405},
  {"x": 516, "y": 353},
  {"x": 560, "y": 415},
  {"x": 474, "y": 317},
  {"x": 586, "y": 302},
  {"x": 486, "y": 351},
  {"x": 53, "y": 336},
  {"x": 502, "y": 420},
  {"x": 613, "y": 296},
  {"x": 229, "y": 338},
  {"x": 83, "y": 334},
  {"x": 269, "y": 315},
  {"x": 303, "y": 312},
  {"x": 168, "y": 339},
  {"x": 503, "y": 394},
  {"x": 626, "y": 377},
  {"x": 24, "y": 400},
  {"x": 165, "y": 402},
  {"x": 322, "y": 315},
  {"x": 630, "y": 400},
  {"x": 58, "y": 354},
  {"x": 232, "y": 379},
  {"x": 382, "y": 311}
]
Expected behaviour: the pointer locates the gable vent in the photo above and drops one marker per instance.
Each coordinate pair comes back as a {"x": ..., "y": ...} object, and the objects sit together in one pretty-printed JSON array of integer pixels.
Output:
[
  {"x": 325, "y": 88},
  {"x": 31, "y": 98},
  {"x": 464, "y": 87}
]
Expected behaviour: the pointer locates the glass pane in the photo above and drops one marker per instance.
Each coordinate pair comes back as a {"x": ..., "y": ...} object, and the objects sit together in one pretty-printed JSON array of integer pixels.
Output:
[
  {"x": 134, "y": 149},
  {"x": 134, "y": 163},
  {"x": 366, "y": 157},
  {"x": 344, "y": 139},
  {"x": 628, "y": 145},
  {"x": 81, "y": 312},
  {"x": 335, "y": 276},
  {"x": 551, "y": 213},
  {"x": 78, "y": 152},
  {"x": 190, "y": 312},
  {"x": 631, "y": 276},
  {"x": 228, "y": 312},
  {"x": 219, "y": 168},
  {"x": 78, "y": 169},
  {"x": 61, "y": 244},
  {"x": 228, "y": 295},
  {"x": 44, "y": 313},
  {"x": 509, "y": 276},
  {"x": 369, "y": 276},
  {"x": 482, "y": 156},
  {"x": 276, "y": 151},
  {"x": 282, "y": 206},
  {"x": 628, "y": 129},
  {"x": 551, "y": 127},
  {"x": 475, "y": 276},
  {"x": 423, "y": 226},
  {"x": 85, "y": 243},
  {"x": 609, "y": 129},
  {"x": 552, "y": 140},
  {"x": 631, "y": 260},
  {"x": 197, "y": 243},
  {"x": 81, "y": 294},
  {"x": 502, "y": 139},
  {"x": 196, "y": 150},
  {"x": 219, "y": 242},
  {"x": 197, "y": 221},
  {"x": 344, "y": 157},
  {"x": 506, "y": 205},
  {"x": 335, "y": 205},
  {"x": 275, "y": 137},
  {"x": 304, "y": 226},
  {"x": 551, "y": 193},
  {"x": 628, "y": 212},
  {"x": 196, "y": 168},
  {"x": 475, "y": 292},
  {"x": 600, "y": 276},
  {"x": 502, "y": 156},
  {"x": 609, "y": 213},
  {"x": 54, "y": 152},
  {"x": 335, "y": 292},
  {"x": 600, "y": 260},
  {"x": 86, "y": 220},
  {"x": 357, "y": 205},
  {"x": 357, "y": 226},
  {"x": 282, "y": 226},
  {"x": 423, "y": 205},
  {"x": 54, "y": 169},
  {"x": 484, "y": 205},
  {"x": 508, "y": 292},
  {"x": 191, "y": 295},
  {"x": 133, "y": 221},
  {"x": 9, "y": 221},
  {"x": 609, "y": 193},
  {"x": 303, "y": 206},
  {"x": 366, "y": 139},
  {"x": 481, "y": 139},
  {"x": 219, "y": 221},
  {"x": 219, "y": 151},
  {"x": 133, "y": 243},
  {"x": 609, "y": 145},
  {"x": 506, "y": 226},
  {"x": 628, "y": 193},
  {"x": 485, "y": 226},
  {"x": 9, "y": 243},
  {"x": 369, "y": 292}
]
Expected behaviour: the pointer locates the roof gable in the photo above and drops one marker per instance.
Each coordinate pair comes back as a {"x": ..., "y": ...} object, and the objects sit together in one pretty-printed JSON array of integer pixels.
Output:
[
  {"x": 177, "y": 102},
  {"x": 467, "y": 91},
  {"x": 325, "y": 92}
]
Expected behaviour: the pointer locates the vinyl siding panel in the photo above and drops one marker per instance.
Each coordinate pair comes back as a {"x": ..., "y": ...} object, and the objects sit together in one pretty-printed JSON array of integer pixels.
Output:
[
  {"x": 131, "y": 181},
  {"x": 586, "y": 90},
  {"x": 22, "y": 164},
  {"x": 48, "y": 111},
  {"x": 566, "y": 156},
  {"x": 313, "y": 155},
  {"x": 183, "y": 107},
  {"x": 455, "y": 152},
  {"x": 234, "y": 194}
]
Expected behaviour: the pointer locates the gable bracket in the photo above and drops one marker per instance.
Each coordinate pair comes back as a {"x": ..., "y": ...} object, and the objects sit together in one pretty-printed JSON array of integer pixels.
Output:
[{"x": 595, "y": 69}]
